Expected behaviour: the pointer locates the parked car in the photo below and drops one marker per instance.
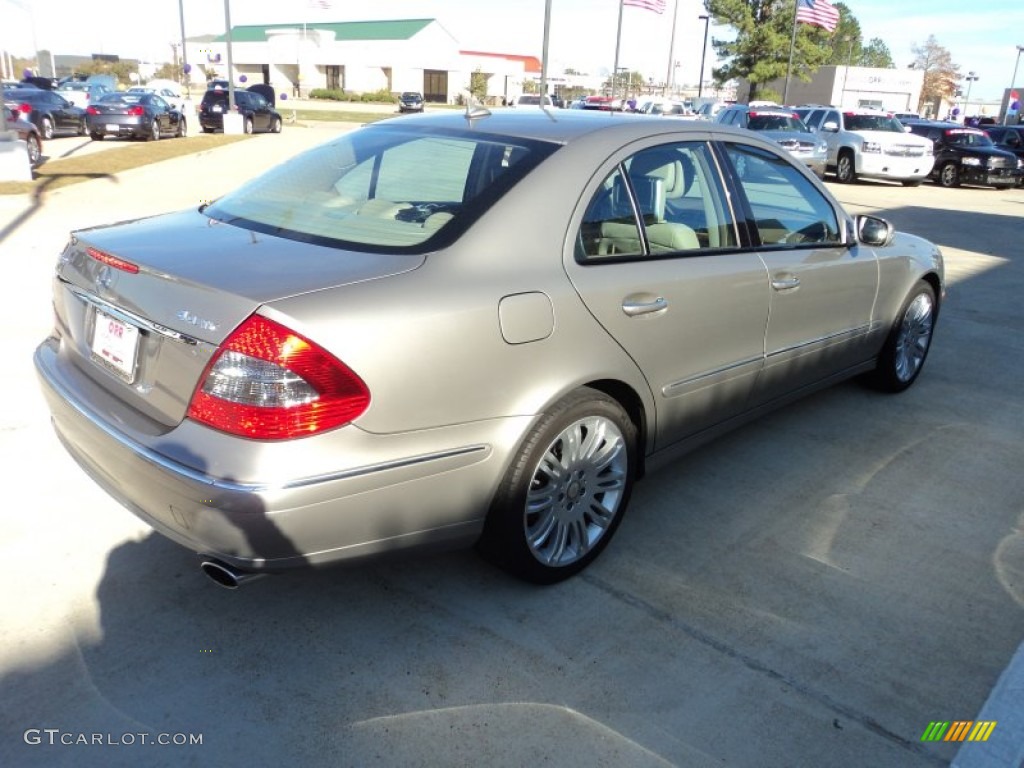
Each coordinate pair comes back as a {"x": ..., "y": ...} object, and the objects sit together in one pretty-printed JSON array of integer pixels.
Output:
[
  {"x": 134, "y": 116},
  {"x": 967, "y": 156},
  {"x": 531, "y": 100},
  {"x": 709, "y": 109},
  {"x": 82, "y": 94},
  {"x": 258, "y": 116},
  {"x": 903, "y": 117},
  {"x": 28, "y": 133},
  {"x": 171, "y": 96},
  {"x": 1011, "y": 139},
  {"x": 871, "y": 144},
  {"x": 410, "y": 101},
  {"x": 349, "y": 355},
  {"x": 50, "y": 112},
  {"x": 785, "y": 128}
]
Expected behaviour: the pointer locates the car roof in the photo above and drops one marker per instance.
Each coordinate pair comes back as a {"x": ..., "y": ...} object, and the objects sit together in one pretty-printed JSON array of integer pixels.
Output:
[{"x": 563, "y": 126}]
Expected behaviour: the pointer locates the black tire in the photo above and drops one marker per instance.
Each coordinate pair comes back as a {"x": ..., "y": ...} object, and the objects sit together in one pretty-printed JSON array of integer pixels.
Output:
[
  {"x": 96, "y": 136},
  {"x": 46, "y": 128},
  {"x": 207, "y": 130},
  {"x": 846, "y": 169},
  {"x": 949, "y": 176},
  {"x": 556, "y": 508},
  {"x": 275, "y": 125},
  {"x": 35, "y": 150},
  {"x": 902, "y": 358},
  {"x": 247, "y": 127},
  {"x": 911, "y": 183},
  {"x": 154, "y": 131}
]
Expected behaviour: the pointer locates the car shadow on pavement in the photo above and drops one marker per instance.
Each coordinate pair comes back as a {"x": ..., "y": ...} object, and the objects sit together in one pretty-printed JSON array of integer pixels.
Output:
[{"x": 37, "y": 199}]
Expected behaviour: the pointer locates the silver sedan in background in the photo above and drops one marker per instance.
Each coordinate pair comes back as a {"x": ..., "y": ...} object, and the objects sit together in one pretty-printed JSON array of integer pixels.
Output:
[
  {"x": 447, "y": 329},
  {"x": 783, "y": 127}
]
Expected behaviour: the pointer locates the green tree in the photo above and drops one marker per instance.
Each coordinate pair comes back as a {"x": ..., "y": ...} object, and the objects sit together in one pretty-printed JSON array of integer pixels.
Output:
[
  {"x": 846, "y": 40},
  {"x": 941, "y": 75},
  {"x": 876, "y": 54},
  {"x": 478, "y": 84},
  {"x": 760, "y": 51},
  {"x": 167, "y": 72}
]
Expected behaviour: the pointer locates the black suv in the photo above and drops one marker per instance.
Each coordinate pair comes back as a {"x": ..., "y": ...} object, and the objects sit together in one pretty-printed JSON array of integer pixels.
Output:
[
  {"x": 256, "y": 111},
  {"x": 967, "y": 155},
  {"x": 1011, "y": 139}
]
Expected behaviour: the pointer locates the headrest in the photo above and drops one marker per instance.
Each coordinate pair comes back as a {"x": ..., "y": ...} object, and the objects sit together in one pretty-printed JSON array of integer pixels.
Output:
[{"x": 660, "y": 163}]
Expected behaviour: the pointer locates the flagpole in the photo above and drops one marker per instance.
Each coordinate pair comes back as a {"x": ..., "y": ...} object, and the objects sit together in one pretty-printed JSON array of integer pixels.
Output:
[
  {"x": 671, "y": 49},
  {"x": 789, "y": 66},
  {"x": 544, "y": 54},
  {"x": 618, "y": 39}
]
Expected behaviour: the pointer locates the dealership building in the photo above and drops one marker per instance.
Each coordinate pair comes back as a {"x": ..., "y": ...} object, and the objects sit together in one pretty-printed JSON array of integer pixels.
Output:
[
  {"x": 894, "y": 90},
  {"x": 358, "y": 57}
]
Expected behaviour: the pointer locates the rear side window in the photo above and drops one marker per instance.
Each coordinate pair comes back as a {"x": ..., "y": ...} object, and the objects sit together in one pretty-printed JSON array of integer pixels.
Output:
[{"x": 383, "y": 188}]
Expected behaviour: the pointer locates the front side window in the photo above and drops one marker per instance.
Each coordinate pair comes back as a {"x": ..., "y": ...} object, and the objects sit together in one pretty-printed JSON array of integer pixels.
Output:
[
  {"x": 382, "y": 188},
  {"x": 787, "y": 208},
  {"x": 662, "y": 200}
]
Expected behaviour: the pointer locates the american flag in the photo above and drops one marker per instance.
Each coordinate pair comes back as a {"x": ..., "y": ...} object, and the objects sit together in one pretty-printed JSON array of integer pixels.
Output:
[
  {"x": 658, "y": 6},
  {"x": 323, "y": 5},
  {"x": 820, "y": 13}
]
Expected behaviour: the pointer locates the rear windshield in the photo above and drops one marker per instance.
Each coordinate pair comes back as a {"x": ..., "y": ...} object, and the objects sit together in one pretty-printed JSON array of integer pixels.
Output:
[
  {"x": 127, "y": 97},
  {"x": 383, "y": 188}
]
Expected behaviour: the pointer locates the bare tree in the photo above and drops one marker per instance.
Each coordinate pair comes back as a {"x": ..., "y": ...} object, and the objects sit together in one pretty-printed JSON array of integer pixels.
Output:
[{"x": 941, "y": 75}]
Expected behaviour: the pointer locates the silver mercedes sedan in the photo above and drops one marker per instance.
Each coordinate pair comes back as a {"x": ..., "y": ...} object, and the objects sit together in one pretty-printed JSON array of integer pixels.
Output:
[{"x": 455, "y": 329}]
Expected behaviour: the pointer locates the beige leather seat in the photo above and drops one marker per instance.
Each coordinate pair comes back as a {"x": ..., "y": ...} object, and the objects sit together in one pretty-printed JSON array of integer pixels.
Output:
[{"x": 657, "y": 175}]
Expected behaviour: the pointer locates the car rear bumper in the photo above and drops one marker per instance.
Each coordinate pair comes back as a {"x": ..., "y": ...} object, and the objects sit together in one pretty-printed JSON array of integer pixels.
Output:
[
  {"x": 414, "y": 498},
  {"x": 115, "y": 125}
]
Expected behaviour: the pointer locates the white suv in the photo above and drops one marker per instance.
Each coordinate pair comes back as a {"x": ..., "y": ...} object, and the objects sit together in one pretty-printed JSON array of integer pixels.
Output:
[{"x": 870, "y": 143}]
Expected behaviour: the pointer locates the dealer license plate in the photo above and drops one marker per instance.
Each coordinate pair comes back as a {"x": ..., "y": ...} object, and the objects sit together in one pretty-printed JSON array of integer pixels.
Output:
[
  {"x": 113, "y": 127},
  {"x": 115, "y": 344}
]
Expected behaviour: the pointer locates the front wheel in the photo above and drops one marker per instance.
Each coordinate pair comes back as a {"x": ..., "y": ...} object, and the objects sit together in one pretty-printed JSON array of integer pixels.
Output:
[
  {"x": 565, "y": 492},
  {"x": 46, "y": 128},
  {"x": 907, "y": 347},
  {"x": 846, "y": 172},
  {"x": 96, "y": 136},
  {"x": 949, "y": 176},
  {"x": 182, "y": 128},
  {"x": 154, "y": 131},
  {"x": 275, "y": 126},
  {"x": 248, "y": 125}
]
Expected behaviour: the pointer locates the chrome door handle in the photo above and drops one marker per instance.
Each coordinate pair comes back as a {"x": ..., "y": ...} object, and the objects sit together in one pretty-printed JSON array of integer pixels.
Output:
[
  {"x": 785, "y": 283},
  {"x": 634, "y": 307}
]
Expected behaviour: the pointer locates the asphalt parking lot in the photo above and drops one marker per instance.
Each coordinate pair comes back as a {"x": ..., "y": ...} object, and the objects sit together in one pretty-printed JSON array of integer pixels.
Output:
[{"x": 811, "y": 590}]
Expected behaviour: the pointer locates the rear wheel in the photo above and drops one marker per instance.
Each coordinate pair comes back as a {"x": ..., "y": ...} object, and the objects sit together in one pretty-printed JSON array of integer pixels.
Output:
[
  {"x": 96, "y": 136},
  {"x": 565, "y": 492},
  {"x": 35, "y": 150},
  {"x": 46, "y": 128},
  {"x": 907, "y": 347},
  {"x": 846, "y": 170},
  {"x": 154, "y": 131},
  {"x": 275, "y": 125},
  {"x": 182, "y": 128},
  {"x": 248, "y": 125},
  {"x": 949, "y": 175}
]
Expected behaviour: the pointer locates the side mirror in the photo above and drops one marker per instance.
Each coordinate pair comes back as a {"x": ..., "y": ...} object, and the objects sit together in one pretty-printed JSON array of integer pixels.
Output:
[
  {"x": 873, "y": 230},
  {"x": 906, "y": 129},
  {"x": 830, "y": 126}
]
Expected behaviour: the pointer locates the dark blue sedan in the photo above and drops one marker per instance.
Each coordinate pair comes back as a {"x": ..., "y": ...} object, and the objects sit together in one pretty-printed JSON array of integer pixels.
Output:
[{"x": 134, "y": 115}]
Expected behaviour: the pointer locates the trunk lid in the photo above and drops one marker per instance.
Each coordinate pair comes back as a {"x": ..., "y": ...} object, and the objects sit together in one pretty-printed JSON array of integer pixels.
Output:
[{"x": 146, "y": 336}]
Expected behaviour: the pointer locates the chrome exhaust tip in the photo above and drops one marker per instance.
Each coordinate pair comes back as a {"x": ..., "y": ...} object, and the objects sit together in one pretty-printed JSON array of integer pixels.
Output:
[{"x": 225, "y": 575}]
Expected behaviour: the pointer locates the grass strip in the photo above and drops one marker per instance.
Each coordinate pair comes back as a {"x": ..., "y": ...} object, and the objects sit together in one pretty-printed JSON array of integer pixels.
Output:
[{"x": 57, "y": 173}]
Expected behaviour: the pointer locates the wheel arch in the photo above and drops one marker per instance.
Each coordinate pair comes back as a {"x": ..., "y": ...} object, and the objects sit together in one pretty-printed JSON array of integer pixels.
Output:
[{"x": 633, "y": 405}]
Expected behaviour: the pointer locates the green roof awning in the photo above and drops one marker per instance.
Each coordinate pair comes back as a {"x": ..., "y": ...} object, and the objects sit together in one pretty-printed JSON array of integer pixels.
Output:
[{"x": 398, "y": 29}]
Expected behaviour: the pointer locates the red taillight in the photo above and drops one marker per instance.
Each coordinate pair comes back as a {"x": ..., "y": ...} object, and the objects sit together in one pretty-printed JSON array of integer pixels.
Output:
[
  {"x": 25, "y": 109},
  {"x": 91, "y": 111},
  {"x": 269, "y": 383},
  {"x": 136, "y": 111},
  {"x": 112, "y": 261}
]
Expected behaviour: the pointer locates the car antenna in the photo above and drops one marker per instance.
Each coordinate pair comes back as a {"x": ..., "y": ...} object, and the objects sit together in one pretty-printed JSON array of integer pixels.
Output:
[{"x": 474, "y": 109}]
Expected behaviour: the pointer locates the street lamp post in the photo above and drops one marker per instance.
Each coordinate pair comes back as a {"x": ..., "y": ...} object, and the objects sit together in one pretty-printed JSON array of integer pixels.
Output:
[
  {"x": 971, "y": 78},
  {"x": 1013, "y": 84},
  {"x": 703, "y": 53}
]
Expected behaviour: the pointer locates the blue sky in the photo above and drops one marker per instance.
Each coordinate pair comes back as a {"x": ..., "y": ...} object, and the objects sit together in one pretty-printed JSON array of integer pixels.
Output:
[{"x": 981, "y": 36}]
